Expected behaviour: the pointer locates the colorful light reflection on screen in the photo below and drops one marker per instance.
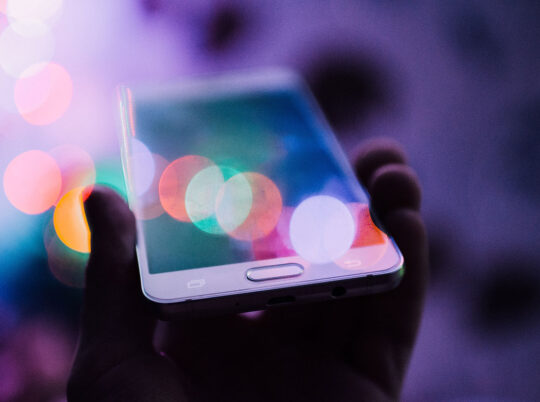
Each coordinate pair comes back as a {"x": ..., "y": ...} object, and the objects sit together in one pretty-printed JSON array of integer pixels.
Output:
[
  {"x": 370, "y": 243},
  {"x": 232, "y": 195},
  {"x": 202, "y": 197},
  {"x": 265, "y": 208},
  {"x": 248, "y": 206},
  {"x": 233, "y": 202},
  {"x": 277, "y": 243},
  {"x": 219, "y": 199},
  {"x": 174, "y": 182},
  {"x": 322, "y": 229}
]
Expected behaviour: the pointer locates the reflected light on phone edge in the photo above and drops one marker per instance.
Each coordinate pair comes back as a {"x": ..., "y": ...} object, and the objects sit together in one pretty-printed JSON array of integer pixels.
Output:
[
  {"x": 43, "y": 93},
  {"x": 143, "y": 166},
  {"x": 322, "y": 229},
  {"x": 32, "y": 182},
  {"x": 149, "y": 205}
]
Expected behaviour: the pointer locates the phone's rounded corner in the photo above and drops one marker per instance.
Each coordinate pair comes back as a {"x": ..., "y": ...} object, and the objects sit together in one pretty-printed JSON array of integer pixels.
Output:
[
  {"x": 391, "y": 277},
  {"x": 150, "y": 291},
  {"x": 397, "y": 271},
  {"x": 161, "y": 308}
]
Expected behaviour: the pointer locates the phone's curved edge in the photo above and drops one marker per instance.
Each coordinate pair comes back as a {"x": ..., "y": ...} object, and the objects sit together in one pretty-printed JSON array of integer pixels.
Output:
[
  {"x": 261, "y": 300},
  {"x": 378, "y": 281},
  {"x": 225, "y": 83}
]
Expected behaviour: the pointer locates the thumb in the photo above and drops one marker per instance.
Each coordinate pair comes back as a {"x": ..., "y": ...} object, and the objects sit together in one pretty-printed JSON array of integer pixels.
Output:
[{"x": 116, "y": 321}]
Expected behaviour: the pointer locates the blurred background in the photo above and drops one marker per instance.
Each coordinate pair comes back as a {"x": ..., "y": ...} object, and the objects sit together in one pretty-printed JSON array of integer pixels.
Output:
[{"x": 455, "y": 82}]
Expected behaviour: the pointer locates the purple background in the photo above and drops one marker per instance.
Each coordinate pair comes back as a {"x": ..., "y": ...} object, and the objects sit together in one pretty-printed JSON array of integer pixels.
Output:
[{"x": 455, "y": 82}]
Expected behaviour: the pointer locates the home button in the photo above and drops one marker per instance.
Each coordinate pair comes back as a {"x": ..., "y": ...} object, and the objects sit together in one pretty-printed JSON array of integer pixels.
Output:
[{"x": 274, "y": 272}]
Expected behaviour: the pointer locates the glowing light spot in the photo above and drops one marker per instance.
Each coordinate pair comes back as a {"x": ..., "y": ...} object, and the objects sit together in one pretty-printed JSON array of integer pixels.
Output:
[
  {"x": 70, "y": 221},
  {"x": 370, "y": 243},
  {"x": 142, "y": 165},
  {"x": 201, "y": 196},
  {"x": 18, "y": 52},
  {"x": 252, "y": 315},
  {"x": 149, "y": 205},
  {"x": 42, "y": 11},
  {"x": 43, "y": 97},
  {"x": 233, "y": 202},
  {"x": 66, "y": 265},
  {"x": 363, "y": 258},
  {"x": 265, "y": 209},
  {"x": 76, "y": 166},
  {"x": 367, "y": 233},
  {"x": 277, "y": 243},
  {"x": 32, "y": 182},
  {"x": 322, "y": 229},
  {"x": 174, "y": 182},
  {"x": 109, "y": 173}
]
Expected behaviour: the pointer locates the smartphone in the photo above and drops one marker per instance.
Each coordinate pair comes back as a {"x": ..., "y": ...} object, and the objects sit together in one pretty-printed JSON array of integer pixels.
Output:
[{"x": 244, "y": 199}]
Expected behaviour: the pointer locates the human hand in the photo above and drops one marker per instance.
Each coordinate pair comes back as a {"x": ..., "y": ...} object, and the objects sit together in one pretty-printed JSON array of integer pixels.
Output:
[{"x": 347, "y": 349}]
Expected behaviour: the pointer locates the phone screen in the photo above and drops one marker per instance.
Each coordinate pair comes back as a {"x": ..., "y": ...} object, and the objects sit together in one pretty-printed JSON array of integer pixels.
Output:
[{"x": 243, "y": 176}]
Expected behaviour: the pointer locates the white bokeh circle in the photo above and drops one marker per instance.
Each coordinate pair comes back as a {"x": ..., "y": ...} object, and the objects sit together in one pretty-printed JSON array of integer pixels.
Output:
[{"x": 322, "y": 229}]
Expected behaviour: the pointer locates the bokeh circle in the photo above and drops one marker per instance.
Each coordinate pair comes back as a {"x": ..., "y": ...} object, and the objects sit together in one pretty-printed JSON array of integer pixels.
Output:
[
  {"x": 43, "y": 93},
  {"x": 32, "y": 182},
  {"x": 174, "y": 182},
  {"x": 70, "y": 221},
  {"x": 322, "y": 229},
  {"x": 266, "y": 206}
]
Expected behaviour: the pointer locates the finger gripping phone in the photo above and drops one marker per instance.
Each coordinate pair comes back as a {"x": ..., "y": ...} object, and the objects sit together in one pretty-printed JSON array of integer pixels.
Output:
[{"x": 244, "y": 198}]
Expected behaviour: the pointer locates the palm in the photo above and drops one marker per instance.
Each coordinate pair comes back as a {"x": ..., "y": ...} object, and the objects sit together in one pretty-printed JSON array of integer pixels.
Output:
[
  {"x": 296, "y": 353},
  {"x": 350, "y": 349}
]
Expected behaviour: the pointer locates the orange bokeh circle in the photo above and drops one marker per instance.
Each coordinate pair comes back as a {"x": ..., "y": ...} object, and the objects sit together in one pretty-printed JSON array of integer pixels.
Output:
[{"x": 70, "y": 220}]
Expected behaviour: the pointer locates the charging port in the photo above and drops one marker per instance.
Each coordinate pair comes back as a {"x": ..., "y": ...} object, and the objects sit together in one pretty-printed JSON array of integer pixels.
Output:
[
  {"x": 281, "y": 300},
  {"x": 339, "y": 291}
]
